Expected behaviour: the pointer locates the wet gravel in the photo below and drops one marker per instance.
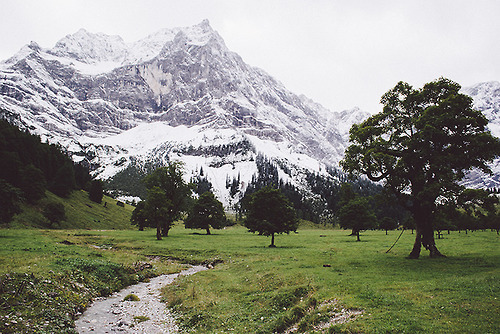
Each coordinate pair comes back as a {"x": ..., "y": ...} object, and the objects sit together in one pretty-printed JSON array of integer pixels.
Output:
[{"x": 114, "y": 315}]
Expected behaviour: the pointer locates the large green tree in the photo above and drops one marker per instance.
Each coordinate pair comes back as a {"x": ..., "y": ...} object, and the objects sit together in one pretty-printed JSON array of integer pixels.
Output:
[
  {"x": 269, "y": 212},
  {"x": 206, "y": 212},
  {"x": 421, "y": 146},
  {"x": 167, "y": 198}
]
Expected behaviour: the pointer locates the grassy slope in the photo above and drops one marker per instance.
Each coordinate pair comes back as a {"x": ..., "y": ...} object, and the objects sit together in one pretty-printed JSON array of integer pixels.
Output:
[
  {"x": 81, "y": 213},
  {"x": 260, "y": 290}
]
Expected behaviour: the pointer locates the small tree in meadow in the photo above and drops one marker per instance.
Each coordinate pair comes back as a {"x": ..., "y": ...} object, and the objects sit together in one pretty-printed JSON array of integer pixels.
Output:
[
  {"x": 269, "y": 212},
  {"x": 206, "y": 212},
  {"x": 357, "y": 215},
  {"x": 54, "y": 212},
  {"x": 387, "y": 223}
]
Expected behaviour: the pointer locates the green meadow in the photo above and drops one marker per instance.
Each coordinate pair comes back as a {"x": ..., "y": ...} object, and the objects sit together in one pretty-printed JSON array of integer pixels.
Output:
[{"x": 315, "y": 281}]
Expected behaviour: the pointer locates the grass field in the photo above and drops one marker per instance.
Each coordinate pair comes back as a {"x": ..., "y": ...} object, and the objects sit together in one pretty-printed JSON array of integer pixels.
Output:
[{"x": 310, "y": 278}]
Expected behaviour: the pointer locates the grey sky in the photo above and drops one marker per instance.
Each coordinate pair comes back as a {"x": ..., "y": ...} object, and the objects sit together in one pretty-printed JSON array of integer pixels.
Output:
[{"x": 339, "y": 53}]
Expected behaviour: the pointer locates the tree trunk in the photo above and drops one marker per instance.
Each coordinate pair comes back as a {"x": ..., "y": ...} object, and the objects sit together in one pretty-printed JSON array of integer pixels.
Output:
[
  {"x": 208, "y": 230},
  {"x": 158, "y": 231},
  {"x": 272, "y": 241},
  {"x": 164, "y": 229},
  {"x": 357, "y": 236},
  {"x": 417, "y": 245},
  {"x": 424, "y": 234}
]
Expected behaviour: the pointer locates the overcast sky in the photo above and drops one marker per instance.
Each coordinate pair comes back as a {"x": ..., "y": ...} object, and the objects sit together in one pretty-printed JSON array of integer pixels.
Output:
[{"x": 339, "y": 53}]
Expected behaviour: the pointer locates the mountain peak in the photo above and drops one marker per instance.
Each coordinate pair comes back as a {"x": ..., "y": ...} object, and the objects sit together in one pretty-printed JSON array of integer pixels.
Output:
[
  {"x": 90, "y": 48},
  {"x": 199, "y": 34},
  {"x": 205, "y": 22}
]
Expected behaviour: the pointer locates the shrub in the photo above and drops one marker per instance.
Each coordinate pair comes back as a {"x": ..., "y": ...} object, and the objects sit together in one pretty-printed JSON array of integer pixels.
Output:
[
  {"x": 54, "y": 212},
  {"x": 131, "y": 298}
]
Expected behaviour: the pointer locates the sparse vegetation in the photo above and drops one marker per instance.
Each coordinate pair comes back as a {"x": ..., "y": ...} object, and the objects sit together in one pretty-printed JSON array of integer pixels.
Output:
[{"x": 141, "y": 318}]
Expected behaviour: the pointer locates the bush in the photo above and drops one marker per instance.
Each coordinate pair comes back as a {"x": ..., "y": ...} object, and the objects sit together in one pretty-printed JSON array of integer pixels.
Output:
[
  {"x": 54, "y": 212},
  {"x": 108, "y": 275}
]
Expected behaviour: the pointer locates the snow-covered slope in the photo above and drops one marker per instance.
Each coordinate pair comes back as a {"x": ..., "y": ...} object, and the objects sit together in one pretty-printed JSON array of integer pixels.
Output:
[
  {"x": 176, "y": 94},
  {"x": 486, "y": 98}
]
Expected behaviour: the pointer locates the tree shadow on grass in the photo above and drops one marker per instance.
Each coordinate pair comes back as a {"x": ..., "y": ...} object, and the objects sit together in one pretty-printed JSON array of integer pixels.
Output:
[
  {"x": 204, "y": 234},
  {"x": 277, "y": 247}
]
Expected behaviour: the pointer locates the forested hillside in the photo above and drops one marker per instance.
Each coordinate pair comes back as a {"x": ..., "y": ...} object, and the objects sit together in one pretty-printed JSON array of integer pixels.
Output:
[{"x": 28, "y": 168}]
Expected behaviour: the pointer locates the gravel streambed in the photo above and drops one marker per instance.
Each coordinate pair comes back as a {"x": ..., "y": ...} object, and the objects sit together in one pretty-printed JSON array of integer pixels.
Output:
[{"x": 148, "y": 315}]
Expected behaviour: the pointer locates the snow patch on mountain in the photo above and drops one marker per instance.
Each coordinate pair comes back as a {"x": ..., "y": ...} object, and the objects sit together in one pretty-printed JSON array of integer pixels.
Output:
[
  {"x": 221, "y": 153},
  {"x": 486, "y": 98}
]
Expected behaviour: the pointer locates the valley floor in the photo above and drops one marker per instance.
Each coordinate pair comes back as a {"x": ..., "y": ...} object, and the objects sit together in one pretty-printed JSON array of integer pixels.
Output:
[{"x": 310, "y": 278}]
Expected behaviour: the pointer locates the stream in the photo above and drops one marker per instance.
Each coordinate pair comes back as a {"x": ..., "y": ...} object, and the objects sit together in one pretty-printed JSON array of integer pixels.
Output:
[{"x": 112, "y": 314}]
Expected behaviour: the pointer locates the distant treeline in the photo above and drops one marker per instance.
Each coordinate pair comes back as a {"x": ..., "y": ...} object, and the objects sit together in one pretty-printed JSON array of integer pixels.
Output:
[{"x": 29, "y": 167}]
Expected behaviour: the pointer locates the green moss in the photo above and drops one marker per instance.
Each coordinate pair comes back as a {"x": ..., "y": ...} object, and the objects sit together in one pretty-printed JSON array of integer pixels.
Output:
[
  {"x": 131, "y": 298},
  {"x": 141, "y": 318}
]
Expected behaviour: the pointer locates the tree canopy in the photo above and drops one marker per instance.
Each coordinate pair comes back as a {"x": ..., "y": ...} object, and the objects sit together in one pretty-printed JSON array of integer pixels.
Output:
[
  {"x": 269, "y": 212},
  {"x": 139, "y": 216},
  {"x": 206, "y": 212},
  {"x": 357, "y": 215},
  {"x": 421, "y": 146},
  {"x": 96, "y": 191},
  {"x": 167, "y": 197}
]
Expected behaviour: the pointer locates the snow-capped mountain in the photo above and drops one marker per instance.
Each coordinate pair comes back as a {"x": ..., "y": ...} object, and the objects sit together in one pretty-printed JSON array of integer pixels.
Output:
[{"x": 177, "y": 94}]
